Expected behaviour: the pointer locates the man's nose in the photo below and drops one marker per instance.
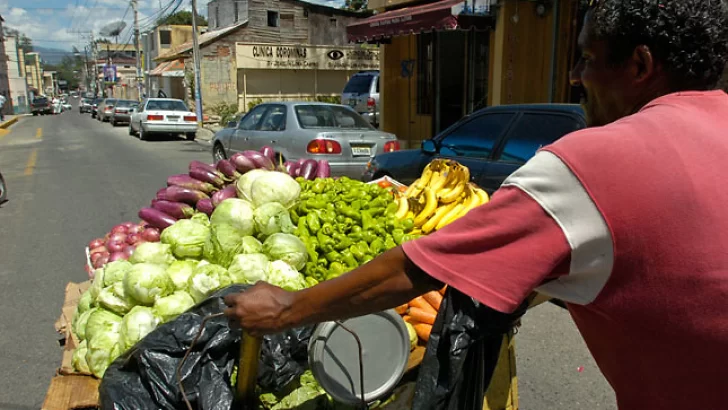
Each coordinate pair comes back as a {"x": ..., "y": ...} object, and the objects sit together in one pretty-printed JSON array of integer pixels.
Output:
[{"x": 575, "y": 75}]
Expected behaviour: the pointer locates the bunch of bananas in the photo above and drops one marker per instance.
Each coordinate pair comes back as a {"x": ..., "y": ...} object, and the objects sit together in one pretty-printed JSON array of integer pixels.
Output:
[{"x": 441, "y": 195}]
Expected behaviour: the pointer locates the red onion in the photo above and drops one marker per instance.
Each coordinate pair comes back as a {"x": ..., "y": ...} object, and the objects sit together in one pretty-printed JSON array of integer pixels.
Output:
[
  {"x": 133, "y": 238},
  {"x": 151, "y": 235},
  {"x": 324, "y": 169},
  {"x": 136, "y": 229},
  {"x": 128, "y": 224},
  {"x": 96, "y": 243},
  {"x": 98, "y": 249},
  {"x": 115, "y": 246},
  {"x": 129, "y": 250},
  {"x": 116, "y": 256},
  {"x": 116, "y": 237},
  {"x": 121, "y": 228},
  {"x": 308, "y": 169},
  {"x": 96, "y": 256},
  {"x": 101, "y": 261}
]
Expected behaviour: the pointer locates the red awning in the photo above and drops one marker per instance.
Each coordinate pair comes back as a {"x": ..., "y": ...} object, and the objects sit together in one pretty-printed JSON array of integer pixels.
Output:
[{"x": 440, "y": 15}]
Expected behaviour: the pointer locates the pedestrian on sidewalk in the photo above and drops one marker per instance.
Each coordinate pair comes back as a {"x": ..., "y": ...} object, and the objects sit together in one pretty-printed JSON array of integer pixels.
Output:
[{"x": 2, "y": 107}]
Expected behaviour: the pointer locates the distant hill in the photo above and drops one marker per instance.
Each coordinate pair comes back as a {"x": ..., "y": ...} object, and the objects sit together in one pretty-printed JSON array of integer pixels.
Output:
[{"x": 51, "y": 55}]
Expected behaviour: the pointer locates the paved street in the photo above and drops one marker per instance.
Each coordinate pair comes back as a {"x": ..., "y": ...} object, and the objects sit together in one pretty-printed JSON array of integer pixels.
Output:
[{"x": 72, "y": 178}]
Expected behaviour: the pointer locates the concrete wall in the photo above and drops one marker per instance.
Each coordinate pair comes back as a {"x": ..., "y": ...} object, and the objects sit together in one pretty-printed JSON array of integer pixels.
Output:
[
  {"x": 325, "y": 28},
  {"x": 18, "y": 95}
]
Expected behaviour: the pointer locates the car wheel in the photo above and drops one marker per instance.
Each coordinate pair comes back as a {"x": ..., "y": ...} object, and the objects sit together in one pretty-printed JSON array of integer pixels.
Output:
[
  {"x": 191, "y": 136},
  {"x": 112, "y": 122},
  {"x": 218, "y": 152},
  {"x": 35, "y": 114},
  {"x": 142, "y": 135},
  {"x": 131, "y": 130}
]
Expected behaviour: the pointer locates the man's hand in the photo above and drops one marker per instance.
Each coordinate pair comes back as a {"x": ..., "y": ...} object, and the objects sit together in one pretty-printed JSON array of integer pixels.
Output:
[{"x": 261, "y": 309}]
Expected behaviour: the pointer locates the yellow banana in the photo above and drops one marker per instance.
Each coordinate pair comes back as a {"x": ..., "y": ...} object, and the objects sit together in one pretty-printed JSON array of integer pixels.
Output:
[
  {"x": 439, "y": 179},
  {"x": 453, "y": 194},
  {"x": 450, "y": 216},
  {"x": 429, "y": 209},
  {"x": 472, "y": 201},
  {"x": 411, "y": 188},
  {"x": 484, "y": 198},
  {"x": 403, "y": 208},
  {"x": 430, "y": 225},
  {"x": 426, "y": 175}
]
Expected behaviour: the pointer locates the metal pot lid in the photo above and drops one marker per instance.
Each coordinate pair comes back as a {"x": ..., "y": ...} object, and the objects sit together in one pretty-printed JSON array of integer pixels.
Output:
[{"x": 333, "y": 354}]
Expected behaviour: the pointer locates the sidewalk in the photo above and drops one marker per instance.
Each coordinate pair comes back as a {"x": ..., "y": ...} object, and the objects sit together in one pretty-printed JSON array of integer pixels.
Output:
[
  {"x": 9, "y": 120},
  {"x": 205, "y": 134}
]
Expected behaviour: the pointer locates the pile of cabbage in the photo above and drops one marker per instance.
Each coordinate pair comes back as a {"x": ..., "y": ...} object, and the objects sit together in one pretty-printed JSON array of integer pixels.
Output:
[{"x": 246, "y": 239}]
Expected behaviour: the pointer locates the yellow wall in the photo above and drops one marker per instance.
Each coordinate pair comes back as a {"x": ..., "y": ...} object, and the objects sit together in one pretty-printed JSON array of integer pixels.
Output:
[{"x": 398, "y": 95}]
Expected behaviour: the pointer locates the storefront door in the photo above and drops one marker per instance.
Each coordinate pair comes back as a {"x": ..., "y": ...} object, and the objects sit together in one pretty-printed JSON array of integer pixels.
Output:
[{"x": 451, "y": 79}]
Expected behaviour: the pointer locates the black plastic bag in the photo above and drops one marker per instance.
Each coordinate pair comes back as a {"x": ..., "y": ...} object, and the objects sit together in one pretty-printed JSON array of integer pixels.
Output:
[
  {"x": 462, "y": 354},
  {"x": 145, "y": 377}
]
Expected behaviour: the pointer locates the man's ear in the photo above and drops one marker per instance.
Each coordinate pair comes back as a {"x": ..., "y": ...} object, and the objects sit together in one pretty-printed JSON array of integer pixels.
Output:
[{"x": 644, "y": 65}]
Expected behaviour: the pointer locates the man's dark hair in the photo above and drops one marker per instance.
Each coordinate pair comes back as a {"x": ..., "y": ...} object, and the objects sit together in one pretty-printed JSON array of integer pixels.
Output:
[{"x": 689, "y": 38}]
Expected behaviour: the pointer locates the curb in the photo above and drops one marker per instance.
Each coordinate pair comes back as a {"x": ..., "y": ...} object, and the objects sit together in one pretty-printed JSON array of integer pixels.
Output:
[{"x": 9, "y": 122}]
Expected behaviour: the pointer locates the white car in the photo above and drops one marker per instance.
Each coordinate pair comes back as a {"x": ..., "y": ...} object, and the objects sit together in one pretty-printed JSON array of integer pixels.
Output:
[{"x": 163, "y": 116}]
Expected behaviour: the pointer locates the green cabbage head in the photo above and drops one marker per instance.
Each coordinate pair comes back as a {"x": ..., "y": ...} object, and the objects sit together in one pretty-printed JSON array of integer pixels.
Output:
[
  {"x": 187, "y": 238},
  {"x": 235, "y": 212},
  {"x": 79, "y": 325},
  {"x": 244, "y": 184},
  {"x": 168, "y": 308},
  {"x": 207, "y": 279},
  {"x": 251, "y": 245},
  {"x": 284, "y": 276},
  {"x": 102, "y": 321},
  {"x": 115, "y": 272},
  {"x": 109, "y": 300},
  {"x": 138, "y": 323},
  {"x": 180, "y": 272},
  {"x": 288, "y": 248},
  {"x": 102, "y": 350},
  {"x": 275, "y": 187},
  {"x": 249, "y": 268},
  {"x": 147, "y": 282},
  {"x": 272, "y": 218},
  {"x": 224, "y": 242},
  {"x": 152, "y": 252},
  {"x": 78, "y": 360}
]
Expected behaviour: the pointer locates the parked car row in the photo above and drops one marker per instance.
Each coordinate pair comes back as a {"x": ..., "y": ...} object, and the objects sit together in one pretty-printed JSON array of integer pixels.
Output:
[
  {"x": 43, "y": 105},
  {"x": 152, "y": 116}
]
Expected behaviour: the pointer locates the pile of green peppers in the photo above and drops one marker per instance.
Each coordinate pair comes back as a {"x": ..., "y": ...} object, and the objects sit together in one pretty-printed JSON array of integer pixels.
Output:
[{"x": 346, "y": 223}]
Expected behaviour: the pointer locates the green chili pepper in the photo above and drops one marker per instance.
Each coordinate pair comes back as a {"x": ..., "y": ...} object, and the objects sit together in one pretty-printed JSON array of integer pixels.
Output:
[
  {"x": 311, "y": 281},
  {"x": 294, "y": 216},
  {"x": 369, "y": 236},
  {"x": 366, "y": 220},
  {"x": 357, "y": 252},
  {"x": 312, "y": 220},
  {"x": 377, "y": 246},
  {"x": 391, "y": 209},
  {"x": 334, "y": 256},
  {"x": 311, "y": 251},
  {"x": 378, "y": 202},
  {"x": 318, "y": 186},
  {"x": 356, "y": 228},
  {"x": 349, "y": 259},
  {"x": 302, "y": 230},
  {"x": 375, "y": 212},
  {"x": 389, "y": 243},
  {"x": 398, "y": 234},
  {"x": 351, "y": 213},
  {"x": 356, "y": 205},
  {"x": 367, "y": 259}
]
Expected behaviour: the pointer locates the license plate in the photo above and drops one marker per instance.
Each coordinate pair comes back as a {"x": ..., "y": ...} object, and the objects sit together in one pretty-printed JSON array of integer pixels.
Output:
[
  {"x": 173, "y": 117},
  {"x": 361, "y": 151},
  {"x": 352, "y": 102}
]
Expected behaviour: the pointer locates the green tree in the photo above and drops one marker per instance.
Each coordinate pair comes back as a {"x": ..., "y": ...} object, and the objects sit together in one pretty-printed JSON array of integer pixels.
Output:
[
  {"x": 355, "y": 5},
  {"x": 181, "y": 18}
]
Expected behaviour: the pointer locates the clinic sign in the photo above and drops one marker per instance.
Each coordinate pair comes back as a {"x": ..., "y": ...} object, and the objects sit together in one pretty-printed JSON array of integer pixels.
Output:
[{"x": 306, "y": 57}]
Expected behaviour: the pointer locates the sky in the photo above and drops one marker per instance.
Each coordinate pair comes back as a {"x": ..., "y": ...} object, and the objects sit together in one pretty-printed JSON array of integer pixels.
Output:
[{"x": 63, "y": 24}]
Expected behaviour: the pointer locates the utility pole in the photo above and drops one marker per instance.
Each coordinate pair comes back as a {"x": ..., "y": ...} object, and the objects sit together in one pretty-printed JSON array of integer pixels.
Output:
[
  {"x": 196, "y": 58},
  {"x": 136, "y": 45},
  {"x": 94, "y": 56}
]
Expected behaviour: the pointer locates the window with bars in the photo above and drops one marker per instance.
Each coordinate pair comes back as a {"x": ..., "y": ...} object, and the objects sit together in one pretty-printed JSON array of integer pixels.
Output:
[
  {"x": 165, "y": 38},
  {"x": 425, "y": 73}
]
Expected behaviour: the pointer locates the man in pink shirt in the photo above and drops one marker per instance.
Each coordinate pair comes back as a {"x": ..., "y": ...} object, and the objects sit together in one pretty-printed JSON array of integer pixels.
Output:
[{"x": 625, "y": 221}]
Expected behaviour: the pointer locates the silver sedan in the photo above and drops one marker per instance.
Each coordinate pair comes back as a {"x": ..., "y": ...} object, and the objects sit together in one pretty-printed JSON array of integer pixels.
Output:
[
  {"x": 302, "y": 130},
  {"x": 163, "y": 116}
]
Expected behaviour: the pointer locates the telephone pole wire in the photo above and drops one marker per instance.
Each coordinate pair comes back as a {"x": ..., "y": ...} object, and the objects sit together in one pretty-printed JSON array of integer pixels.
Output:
[
  {"x": 137, "y": 51},
  {"x": 196, "y": 58}
]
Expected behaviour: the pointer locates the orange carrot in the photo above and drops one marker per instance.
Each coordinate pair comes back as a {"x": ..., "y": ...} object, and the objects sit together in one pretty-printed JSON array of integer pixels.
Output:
[
  {"x": 442, "y": 291},
  {"x": 401, "y": 309},
  {"x": 420, "y": 302},
  {"x": 433, "y": 298},
  {"x": 422, "y": 315},
  {"x": 407, "y": 318},
  {"x": 423, "y": 330}
]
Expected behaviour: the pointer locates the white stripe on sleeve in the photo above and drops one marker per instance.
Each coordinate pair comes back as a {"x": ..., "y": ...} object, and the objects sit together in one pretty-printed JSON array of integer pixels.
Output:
[{"x": 552, "y": 184}]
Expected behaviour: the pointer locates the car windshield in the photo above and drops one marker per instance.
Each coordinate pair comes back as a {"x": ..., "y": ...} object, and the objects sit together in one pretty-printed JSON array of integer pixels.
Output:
[
  {"x": 125, "y": 103},
  {"x": 166, "y": 105},
  {"x": 330, "y": 116},
  {"x": 40, "y": 100},
  {"x": 358, "y": 84},
  {"x": 110, "y": 102}
]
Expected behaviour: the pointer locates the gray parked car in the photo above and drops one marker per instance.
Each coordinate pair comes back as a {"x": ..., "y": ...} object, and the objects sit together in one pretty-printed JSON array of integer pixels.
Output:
[
  {"x": 122, "y": 112},
  {"x": 362, "y": 94},
  {"x": 105, "y": 109},
  {"x": 302, "y": 130}
]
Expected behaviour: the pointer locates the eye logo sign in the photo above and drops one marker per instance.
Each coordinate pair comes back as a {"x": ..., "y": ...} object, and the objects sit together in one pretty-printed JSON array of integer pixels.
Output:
[{"x": 335, "y": 54}]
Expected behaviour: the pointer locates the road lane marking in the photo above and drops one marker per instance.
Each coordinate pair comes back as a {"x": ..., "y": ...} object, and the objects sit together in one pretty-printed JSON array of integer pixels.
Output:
[
  {"x": 30, "y": 165},
  {"x": 3, "y": 133},
  {"x": 39, "y": 133}
]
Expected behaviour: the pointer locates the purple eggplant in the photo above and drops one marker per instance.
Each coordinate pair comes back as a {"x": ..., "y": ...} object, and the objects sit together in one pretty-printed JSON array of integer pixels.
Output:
[
  {"x": 186, "y": 195},
  {"x": 242, "y": 163},
  {"x": 206, "y": 167},
  {"x": 259, "y": 160},
  {"x": 324, "y": 169},
  {"x": 162, "y": 195},
  {"x": 177, "y": 210},
  {"x": 269, "y": 153},
  {"x": 205, "y": 205},
  {"x": 207, "y": 176},
  {"x": 308, "y": 169},
  {"x": 186, "y": 181},
  {"x": 291, "y": 168},
  {"x": 156, "y": 218},
  {"x": 228, "y": 168},
  {"x": 223, "y": 194}
]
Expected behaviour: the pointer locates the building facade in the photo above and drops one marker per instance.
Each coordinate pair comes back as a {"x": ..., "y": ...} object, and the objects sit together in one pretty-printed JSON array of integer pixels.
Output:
[
  {"x": 442, "y": 60},
  {"x": 18, "y": 98},
  {"x": 4, "y": 79},
  {"x": 261, "y": 50},
  {"x": 169, "y": 78},
  {"x": 34, "y": 74}
]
